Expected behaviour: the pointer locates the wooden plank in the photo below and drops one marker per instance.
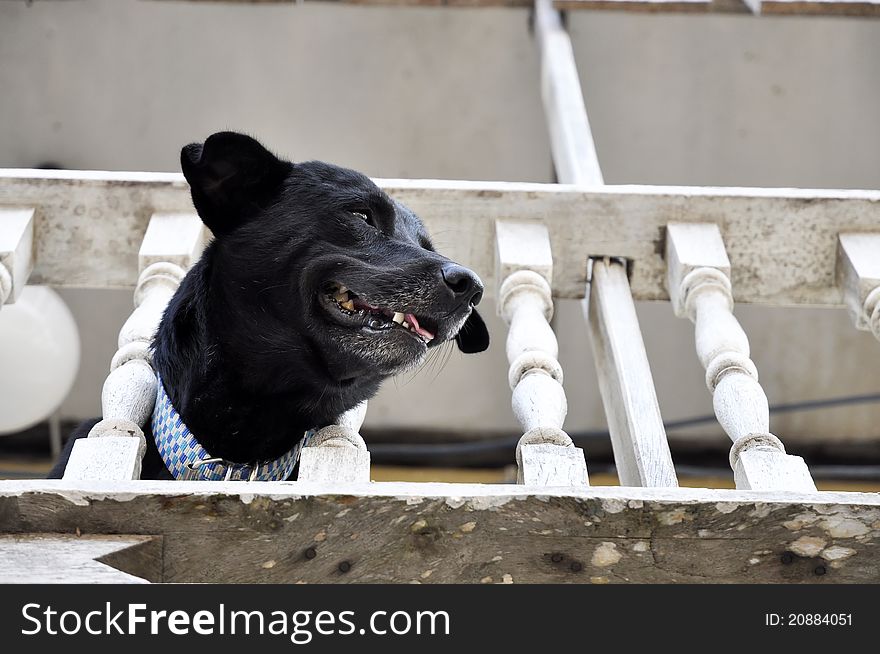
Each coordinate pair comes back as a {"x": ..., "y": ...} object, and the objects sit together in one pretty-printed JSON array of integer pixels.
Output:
[
  {"x": 398, "y": 532},
  {"x": 571, "y": 140},
  {"x": 70, "y": 559},
  {"x": 793, "y": 261},
  {"x": 641, "y": 451}
]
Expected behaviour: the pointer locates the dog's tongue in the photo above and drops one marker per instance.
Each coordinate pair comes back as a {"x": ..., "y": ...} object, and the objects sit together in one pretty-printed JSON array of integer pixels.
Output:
[{"x": 421, "y": 331}]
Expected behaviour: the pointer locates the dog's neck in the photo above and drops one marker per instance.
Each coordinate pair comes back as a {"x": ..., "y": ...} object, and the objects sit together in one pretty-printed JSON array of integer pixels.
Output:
[{"x": 214, "y": 387}]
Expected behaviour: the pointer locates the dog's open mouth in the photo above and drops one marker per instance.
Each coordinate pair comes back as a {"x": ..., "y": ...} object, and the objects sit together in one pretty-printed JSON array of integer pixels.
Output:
[{"x": 356, "y": 311}]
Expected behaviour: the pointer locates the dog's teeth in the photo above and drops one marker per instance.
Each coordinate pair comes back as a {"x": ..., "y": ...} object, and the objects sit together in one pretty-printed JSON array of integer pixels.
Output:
[
  {"x": 347, "y": 305},
  {"x": 405, "y": 324},
  {"x": 341, "y": 297},
  {"x": 398, "y": 318},
  {"x": 342, "y": 289}
]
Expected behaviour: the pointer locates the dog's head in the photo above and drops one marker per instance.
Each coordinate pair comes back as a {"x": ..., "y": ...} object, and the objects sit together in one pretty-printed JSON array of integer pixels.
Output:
[{"x": 321, "y": 252}]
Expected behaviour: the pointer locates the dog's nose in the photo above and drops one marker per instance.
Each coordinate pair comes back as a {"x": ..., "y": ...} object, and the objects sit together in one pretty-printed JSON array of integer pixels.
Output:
[{"x": 463, "y": 283}]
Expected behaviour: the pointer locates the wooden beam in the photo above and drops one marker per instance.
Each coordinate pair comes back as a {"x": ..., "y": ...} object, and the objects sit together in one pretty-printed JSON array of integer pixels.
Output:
[
  {"x": 571, "y": 140},
  {"x": 641, "y": 452},
  {"x": 466, "y": 533},
  {"x": 793, "y": 261}
]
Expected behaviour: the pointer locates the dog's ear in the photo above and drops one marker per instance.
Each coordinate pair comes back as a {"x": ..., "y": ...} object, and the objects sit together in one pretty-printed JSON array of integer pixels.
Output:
[
  {"x": 231, "y": 176},
  {"x": 473, "y": 337}
]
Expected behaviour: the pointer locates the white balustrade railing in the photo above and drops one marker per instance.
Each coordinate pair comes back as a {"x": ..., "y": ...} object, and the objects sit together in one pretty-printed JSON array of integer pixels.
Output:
[
  {"x": 858, "y": 275},
  {"x": 545, "y": 454},
  {"x": 700, "y": 289},
  {"x": 616, "y": 228},
  {"x": 115, "y": 446},
  {"x": 16, "y": 252}
]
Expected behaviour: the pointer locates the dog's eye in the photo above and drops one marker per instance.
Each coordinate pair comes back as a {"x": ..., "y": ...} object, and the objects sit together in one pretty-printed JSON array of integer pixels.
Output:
[{"x": 366, "y": 216}]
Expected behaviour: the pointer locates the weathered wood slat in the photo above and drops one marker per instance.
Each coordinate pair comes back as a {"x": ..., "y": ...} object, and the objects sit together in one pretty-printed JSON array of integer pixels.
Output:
[
  {"x": 782, "y": 242},
  {"x": 433, "y": 533},
  {"x": 70, "y": 559},
  {"x": 571, "y": 139},
  {"x": 641, "y": 451}
]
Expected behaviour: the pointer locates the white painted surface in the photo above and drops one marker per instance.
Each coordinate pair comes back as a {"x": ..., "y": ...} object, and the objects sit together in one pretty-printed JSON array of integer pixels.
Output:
[
  {"x": 337, "y": 453},
  {"x": 545, "y": 454},
  {"x": 700, "y": 290},
  {"x": 481, "y": 497},
  {"x": 66, "y": 559},
  {"x": 113, "y": 457},
  {"x": 641, "y": 452},
  {"x": 177, "y": 238},
  {"x": 571, "y": 139},
  {"x": 522, "y": 246},
  {"x": 334, "y": 465}
]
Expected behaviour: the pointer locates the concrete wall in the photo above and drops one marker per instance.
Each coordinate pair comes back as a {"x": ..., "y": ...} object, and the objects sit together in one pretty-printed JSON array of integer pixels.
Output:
[{"x": 446, "y": 93}]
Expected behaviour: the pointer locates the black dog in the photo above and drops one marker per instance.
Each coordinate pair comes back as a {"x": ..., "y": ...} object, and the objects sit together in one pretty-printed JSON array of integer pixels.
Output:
[{"x": 316, "y": 287}]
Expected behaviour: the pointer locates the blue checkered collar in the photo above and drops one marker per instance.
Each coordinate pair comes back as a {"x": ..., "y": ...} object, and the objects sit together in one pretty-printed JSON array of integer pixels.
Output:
[{"x": 186, "y": 459}]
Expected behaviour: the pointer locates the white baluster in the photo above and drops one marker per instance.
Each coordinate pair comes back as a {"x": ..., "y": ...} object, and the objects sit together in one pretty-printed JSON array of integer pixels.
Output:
[
  {"x": 699, "y": 288},
  {"x": 858, "y": 275},
  {"x": 115, "y": 445},
  {"x": 16, "y": 252},
  {"x": 337, "y": 453},
  {"x": 545, "y": 454}
]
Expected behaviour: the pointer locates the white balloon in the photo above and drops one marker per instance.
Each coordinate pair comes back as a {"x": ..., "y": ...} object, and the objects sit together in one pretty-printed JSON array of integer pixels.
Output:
[{"x": 39, "y": 357}]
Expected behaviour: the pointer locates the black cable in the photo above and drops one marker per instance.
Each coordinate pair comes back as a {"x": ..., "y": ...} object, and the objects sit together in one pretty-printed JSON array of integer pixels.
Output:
[{"x": 419, "y": 451}]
